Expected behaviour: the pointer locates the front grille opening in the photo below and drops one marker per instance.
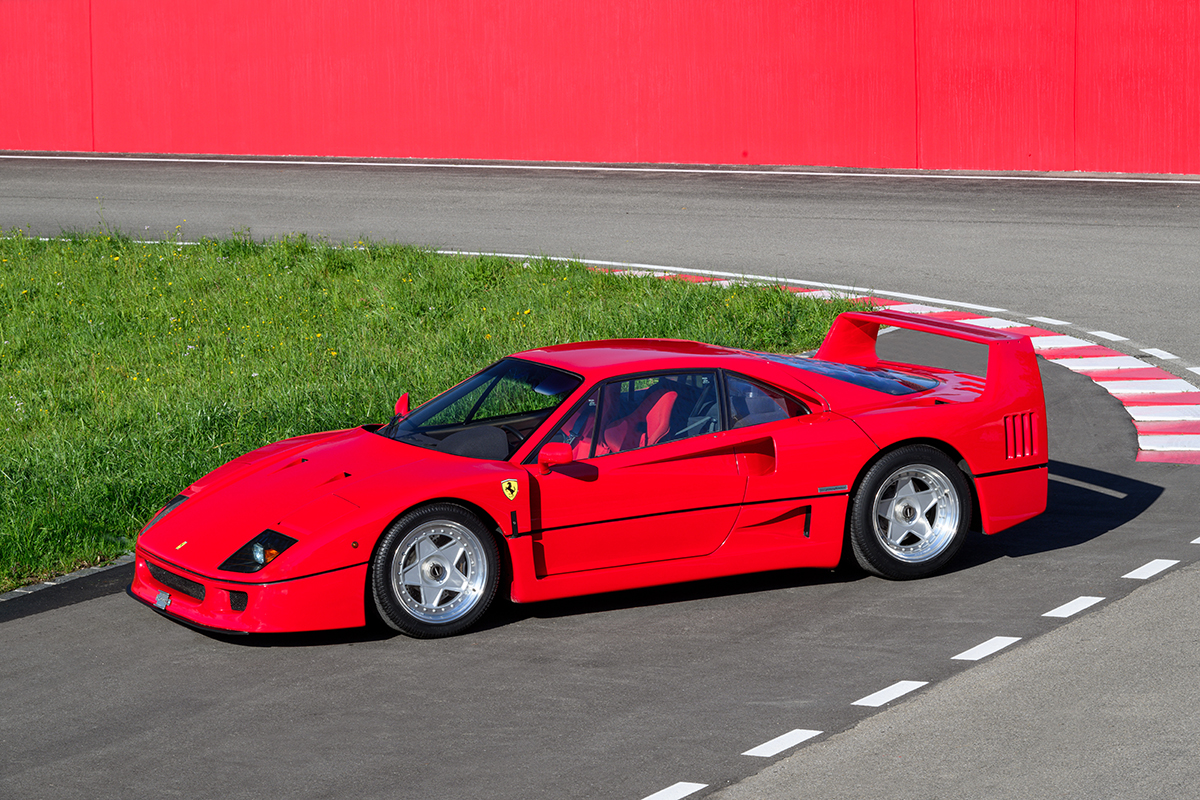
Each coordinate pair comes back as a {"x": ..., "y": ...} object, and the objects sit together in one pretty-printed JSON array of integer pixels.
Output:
[
  {"x": 179, "y": 583},
  {"x": 238, "y": 600}
]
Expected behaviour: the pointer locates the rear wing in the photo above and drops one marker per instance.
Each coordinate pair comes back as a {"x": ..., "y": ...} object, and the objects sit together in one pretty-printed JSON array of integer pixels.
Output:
[{"x": 1012, "y": 369}]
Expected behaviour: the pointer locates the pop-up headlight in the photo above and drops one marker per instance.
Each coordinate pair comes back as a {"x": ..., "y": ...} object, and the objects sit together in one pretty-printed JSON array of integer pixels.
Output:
[
  {"x": 175, "y": 503},
  {"x": 258, "y": 552}
]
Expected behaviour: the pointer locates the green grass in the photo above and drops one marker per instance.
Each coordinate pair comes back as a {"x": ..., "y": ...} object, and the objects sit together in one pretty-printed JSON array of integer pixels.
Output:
[{"x": 128, "y": 369}]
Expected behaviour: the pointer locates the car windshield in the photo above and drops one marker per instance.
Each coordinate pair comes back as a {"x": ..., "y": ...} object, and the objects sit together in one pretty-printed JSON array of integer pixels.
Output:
[
  {"x": 880, "y": 379},
  {"x": 489, "y": 414}
]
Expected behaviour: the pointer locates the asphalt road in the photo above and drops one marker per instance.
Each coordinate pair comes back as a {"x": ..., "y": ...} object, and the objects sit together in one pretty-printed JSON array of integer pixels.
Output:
[{"x": 625, "y": 695}]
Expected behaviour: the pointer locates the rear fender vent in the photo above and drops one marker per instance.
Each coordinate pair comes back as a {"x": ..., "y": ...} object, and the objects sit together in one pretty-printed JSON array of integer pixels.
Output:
[{"x": 1020, "y": 435}]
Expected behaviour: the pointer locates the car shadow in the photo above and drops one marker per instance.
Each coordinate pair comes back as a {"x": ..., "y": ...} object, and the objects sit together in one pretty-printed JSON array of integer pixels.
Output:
[{"x": 1082, "y": 504}]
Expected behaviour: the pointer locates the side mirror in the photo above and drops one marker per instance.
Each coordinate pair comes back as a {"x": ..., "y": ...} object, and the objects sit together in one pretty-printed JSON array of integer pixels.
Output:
[
  {"x": 553, "y": 455},
  {"x": 402, "y": 405}
]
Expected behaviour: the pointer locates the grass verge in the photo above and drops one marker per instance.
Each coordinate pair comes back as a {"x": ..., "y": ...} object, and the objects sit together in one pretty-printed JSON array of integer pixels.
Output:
[{"x": 129, "y": 369}]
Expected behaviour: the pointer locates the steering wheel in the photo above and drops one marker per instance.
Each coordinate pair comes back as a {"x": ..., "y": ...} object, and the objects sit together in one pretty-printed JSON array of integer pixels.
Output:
[{"x": 510, "y": 429}]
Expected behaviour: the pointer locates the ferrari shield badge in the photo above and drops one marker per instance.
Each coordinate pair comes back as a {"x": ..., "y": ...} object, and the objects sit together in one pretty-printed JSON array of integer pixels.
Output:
[{"x": 510, "y": 487}]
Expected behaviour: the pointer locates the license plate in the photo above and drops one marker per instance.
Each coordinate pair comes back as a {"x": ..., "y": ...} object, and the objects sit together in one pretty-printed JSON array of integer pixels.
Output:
[{"x": 163, "y": 600}]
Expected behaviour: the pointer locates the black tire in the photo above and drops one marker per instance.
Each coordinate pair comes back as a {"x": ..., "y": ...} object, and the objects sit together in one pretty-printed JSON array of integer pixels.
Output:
[
  {"x": 435, "y": 571},
  {"x": 911, "y": 513}
]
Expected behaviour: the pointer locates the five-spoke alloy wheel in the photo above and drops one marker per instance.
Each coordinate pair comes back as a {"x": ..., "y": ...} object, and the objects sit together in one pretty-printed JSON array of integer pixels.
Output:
[
  {"x": 910, "y": 514},
  {"x": 435, "y": 571}
]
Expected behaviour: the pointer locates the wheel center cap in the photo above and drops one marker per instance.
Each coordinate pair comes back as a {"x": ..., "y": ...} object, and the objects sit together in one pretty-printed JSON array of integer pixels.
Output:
[
  {"x": 435, "y": 570},
  {"x": 907, "y": 512}
]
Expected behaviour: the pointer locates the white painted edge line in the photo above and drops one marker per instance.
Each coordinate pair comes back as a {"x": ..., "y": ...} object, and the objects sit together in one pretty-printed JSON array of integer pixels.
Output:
[
  {"x": 1074, "y": 607},
  {"x": 1112, "y": 337},
  {"x": 857, "y": 291},
  {"x": 993, "y": 645},
  {"x": 1163, "y": 354},
  {"x": 1056, "y": 342},
  {"x": 885, "y": 696},
  {"x": 1091, "y": 363},
  {"x": 1158, "y": 386},
  {"x": 1194, "y": 369},
  {"x": 1048, "y": 320},
  {"x": 1150, "y": 569},
  {"x": 676, "y": 791},
  {"x": 582, "y": 167},
  {"x": 781, "y": 743},
  {"x": 1169, "y": 441},
  {"x": 1196, "y": 540}
]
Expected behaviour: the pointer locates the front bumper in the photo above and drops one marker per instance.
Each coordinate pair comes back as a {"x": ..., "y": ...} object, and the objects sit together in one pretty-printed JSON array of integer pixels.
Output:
[{"x": 324, "y": 601}]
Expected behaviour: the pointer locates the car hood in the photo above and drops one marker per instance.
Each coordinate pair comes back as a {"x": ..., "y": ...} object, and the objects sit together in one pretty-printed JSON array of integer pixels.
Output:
[{"x": 297, "y": 487}]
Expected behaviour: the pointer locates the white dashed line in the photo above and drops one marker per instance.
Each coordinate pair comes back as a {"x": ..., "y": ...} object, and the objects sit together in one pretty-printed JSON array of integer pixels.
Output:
[
  {"x": 1112, "y": 337},
  {"x": 1196, "y": 540},
  {"x": 1163, "y": 354},
  {"x": 1048, "y": 320},
  {"x": 676, "y": 791},
  {"x": 781, "y": 743},
  {"x": 1074, "y": 607},
  {"x": 1194, "y": 369},
  {"x": 1151, "y": 569},
  {"x": 993, "y": 645},
  {"x": 885, "y": 696}
]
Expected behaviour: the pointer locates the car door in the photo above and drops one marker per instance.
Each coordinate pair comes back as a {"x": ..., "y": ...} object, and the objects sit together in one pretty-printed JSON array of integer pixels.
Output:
[{"x": 652, "y": 479}]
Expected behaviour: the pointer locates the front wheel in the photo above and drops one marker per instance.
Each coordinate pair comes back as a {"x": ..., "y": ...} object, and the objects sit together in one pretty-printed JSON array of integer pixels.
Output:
[
  {"x": 435, "y": 571},
  {"x": 910, "y": 514}
]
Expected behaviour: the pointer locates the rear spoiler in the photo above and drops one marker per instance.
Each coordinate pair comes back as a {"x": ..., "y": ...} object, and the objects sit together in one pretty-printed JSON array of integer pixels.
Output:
[{"x": 1011, "y": 361}]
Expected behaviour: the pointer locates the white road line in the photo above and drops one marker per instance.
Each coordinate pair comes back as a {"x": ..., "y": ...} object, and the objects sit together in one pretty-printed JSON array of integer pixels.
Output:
[
  {"x": 676, "y": 791},
  {"x": 1163, "y": 354},
  {"x": 1160, "y": 386},
  {"x": 857, "y": 291},
  {"x": 1194, "y": 369},
  {"x": 1074, "y": 607},
  {"x": 1163, "y": 413},
  {"x": 1091, "y": 487},
  {"x": 993, "y": 645},
  {"x": 1112, "y": 337},
  {"x": 885, "y": 696},
  {"x": 1169, "y": 441},
  {"x": 1056, "y": 342},
  {"x": 1196, "y": 540},
  {"x": 781, "y": 743},
  {"x": 1048, "y": 320},
  {"x": 1100, "y": 362},
  {"x": 1151, "y": 569}
]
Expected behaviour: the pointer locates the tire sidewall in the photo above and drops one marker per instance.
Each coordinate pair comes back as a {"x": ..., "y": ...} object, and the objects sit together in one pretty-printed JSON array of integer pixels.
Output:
[
  {"x": 392, "y": 610},
  {"x": 870, "y": 553}
]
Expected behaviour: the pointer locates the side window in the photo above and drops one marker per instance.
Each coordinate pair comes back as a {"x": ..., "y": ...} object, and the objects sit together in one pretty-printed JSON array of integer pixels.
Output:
[
  {"x": 753, "y": 403},
  {"x": 629, "y": 413},
  {"x": 579, "y": 429},
  {"x": 655, "y": 409}
]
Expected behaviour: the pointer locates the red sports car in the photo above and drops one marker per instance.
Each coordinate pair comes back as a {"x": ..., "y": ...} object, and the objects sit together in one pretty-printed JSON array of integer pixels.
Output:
[{"x": 608, "y": 465}]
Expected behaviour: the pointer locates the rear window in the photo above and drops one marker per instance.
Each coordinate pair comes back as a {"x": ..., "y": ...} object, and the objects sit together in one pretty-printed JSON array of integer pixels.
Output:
[{"x": 888, "y": 381}]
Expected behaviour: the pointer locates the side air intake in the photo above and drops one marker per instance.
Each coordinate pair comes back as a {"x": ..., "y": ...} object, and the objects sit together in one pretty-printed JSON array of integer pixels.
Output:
[{"x": 1020, "y": 435}]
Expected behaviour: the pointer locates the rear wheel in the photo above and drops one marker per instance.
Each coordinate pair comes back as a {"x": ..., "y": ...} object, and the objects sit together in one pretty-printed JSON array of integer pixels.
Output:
[
  {"x": 910, "y": 514},
  {"x": 435, "y": 571}
]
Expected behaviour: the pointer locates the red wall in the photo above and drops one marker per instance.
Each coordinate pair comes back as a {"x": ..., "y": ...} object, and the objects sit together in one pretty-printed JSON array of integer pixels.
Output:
[{"x": 1109, "y": 85}]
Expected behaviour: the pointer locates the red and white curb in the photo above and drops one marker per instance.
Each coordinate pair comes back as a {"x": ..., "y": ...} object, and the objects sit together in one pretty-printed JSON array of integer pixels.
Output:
[{"x": 1164, "y": 408}]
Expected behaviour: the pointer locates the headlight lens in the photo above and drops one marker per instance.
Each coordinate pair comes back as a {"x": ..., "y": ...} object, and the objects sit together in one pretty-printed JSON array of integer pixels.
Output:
[
  {"x": 258, "y": 552},
  {"x": 175, "y": 503}
]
